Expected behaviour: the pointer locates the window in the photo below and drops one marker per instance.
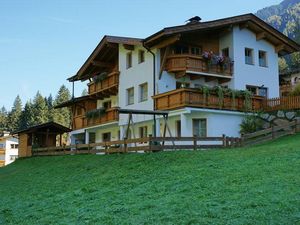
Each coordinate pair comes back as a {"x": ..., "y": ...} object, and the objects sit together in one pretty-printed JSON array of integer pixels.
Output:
[
  {"x": 249, "y": 56},
  {"x": 225, "y": 52},
  {"x": 13, "y": 157},
  {"x": 14, "y": 146},
  {"x": 181, "y": 49},
  {"x": 92, "y": 137},
  {"x": 256, "y": 90},
  {"x": 141, "y": 56},
  {"x": 143, "y": 92},
  {"x": 199, "y": 127},
  {"x": 143, "y": 131},
  {"x": 262, "y": 57},
  {"x": 129, "y": 60},
  {"x": 130, "y": 96},
  {"x": 1, "y": 145},
  {"x": 78, "y": 111},
  {"x": 107, "y": 105},
  {"x": 106, "y": 136},
  {"x": 195, "y": 51},
  {"x": 182, "y": 85},
  {"x": 178, "y": 128}
]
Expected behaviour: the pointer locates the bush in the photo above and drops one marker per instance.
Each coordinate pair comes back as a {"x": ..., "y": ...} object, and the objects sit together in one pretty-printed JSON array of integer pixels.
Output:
[
  {"x": 296, "y": 90},
  {"x": 250, "y": 124}
]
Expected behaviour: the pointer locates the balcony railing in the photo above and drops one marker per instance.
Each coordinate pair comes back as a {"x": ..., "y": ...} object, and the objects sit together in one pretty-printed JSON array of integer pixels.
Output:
[
  {"x": 192, "y": 63},
  {"x": 2, "y": 151},
  {"x": 194, "y": 98},
  {"x": 110, "y": 115},
  {"x": 110, "y": 83},
  {"x": 282, "y": 103}
]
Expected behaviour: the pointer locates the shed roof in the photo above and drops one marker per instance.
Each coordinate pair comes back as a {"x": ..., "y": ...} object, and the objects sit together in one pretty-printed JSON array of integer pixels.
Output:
[{"x": 52, "y": 126}]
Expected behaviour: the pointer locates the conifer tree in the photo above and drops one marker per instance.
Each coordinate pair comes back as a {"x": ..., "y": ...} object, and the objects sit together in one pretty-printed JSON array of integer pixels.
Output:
[
  {"x": 15, "y": 115},
  {"x": 27, "y": 117},
  {"x": 62, "y": 115},
  {"x": 40, "y": 109},
  {"x": 3, "y": 119}
]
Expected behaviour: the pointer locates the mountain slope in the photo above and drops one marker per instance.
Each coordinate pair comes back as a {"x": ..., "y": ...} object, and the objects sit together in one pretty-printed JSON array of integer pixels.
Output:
[{"x": 285, "y": 16}]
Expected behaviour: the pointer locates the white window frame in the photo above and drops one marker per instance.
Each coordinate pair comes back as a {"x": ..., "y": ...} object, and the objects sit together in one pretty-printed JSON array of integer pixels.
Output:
[
  {"x": 130, "y": 99},
  {"x": 263, "y": 63},
  {"x": 143, "y": 98},
  {"x": 249, "y": 60}
]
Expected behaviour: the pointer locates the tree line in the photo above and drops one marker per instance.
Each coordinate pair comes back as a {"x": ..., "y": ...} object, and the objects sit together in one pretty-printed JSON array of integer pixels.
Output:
[{"x": 36, "y": 111}]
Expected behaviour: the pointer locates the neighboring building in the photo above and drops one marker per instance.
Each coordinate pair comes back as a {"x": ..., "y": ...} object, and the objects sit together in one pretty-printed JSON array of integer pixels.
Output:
[
  {"x": 8, "y": 149},
  {"x": 170, "y": 70},
  {"x": 288, "y": 81},
  {"x": 48, "y": 134}
]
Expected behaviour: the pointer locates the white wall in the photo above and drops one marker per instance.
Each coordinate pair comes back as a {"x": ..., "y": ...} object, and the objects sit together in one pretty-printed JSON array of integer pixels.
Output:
[
  {"x": 219, "y": 122},
  {"x": 245, "y": 74},
  {"x": 9, "y": 152},
  {"x": 133, "y": 77}
]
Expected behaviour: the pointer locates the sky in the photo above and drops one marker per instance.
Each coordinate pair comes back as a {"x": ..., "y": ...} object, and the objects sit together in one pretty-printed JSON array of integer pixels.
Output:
[{"x": 42, "y": 43}]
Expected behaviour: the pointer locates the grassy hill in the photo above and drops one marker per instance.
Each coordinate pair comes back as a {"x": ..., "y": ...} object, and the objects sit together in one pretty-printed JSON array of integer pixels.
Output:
[{"x": 257, "y": 185}]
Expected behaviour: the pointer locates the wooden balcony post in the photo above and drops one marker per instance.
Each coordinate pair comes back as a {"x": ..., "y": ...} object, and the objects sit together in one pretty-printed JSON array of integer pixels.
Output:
[{"x": 224, "y": 140}]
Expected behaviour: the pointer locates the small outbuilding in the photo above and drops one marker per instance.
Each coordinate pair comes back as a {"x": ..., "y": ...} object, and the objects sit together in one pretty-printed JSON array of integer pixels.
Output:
[{"x": 43, "y": 135}]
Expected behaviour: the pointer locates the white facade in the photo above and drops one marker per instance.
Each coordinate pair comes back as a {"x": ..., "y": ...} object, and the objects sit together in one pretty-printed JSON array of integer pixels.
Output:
[
  {"x": 218, "y": 122},
  {"x": 10, "y": 146}
]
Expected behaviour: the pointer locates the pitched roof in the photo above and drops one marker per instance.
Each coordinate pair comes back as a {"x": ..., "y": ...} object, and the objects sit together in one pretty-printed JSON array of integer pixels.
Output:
[
  {"x": 52, "y": 126},
  {"x": 102, "y": 45},
  {"x": 250, "y": 20},
  {"x": 73, "y": 101}
]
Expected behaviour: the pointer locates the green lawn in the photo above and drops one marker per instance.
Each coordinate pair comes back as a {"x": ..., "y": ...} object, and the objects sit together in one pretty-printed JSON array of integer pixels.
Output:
[{"x": 257, "y": 185}]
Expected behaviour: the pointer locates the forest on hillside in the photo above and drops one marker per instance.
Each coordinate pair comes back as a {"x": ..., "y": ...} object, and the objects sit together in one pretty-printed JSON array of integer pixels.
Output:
[{"x": 36, "y": 111}]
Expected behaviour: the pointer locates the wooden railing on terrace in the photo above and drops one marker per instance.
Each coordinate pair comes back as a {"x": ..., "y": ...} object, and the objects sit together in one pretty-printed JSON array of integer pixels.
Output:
[
  {"x": 176, "y": 63},
  {"x": 185, "y": 97},
  {"x": 110, "y": 115},
  {"x": 282, "y": 103},
  {"x": 111, "y": 81},
  {"x": 2, "y": 163}
]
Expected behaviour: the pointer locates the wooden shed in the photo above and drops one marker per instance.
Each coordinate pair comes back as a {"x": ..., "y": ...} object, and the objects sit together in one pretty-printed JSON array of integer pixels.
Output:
[{"x": 43, "y": 135}]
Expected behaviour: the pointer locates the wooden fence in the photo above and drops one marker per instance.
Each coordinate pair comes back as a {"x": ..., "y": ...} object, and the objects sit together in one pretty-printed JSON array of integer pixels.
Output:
[
  {"x": 271, "y": 133},
  {"x": 146, "y": 144}
]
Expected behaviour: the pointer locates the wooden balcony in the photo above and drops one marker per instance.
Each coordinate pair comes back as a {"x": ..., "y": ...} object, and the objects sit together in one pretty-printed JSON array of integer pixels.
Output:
[
  {"x": 184, "y": 97},
  {"x": 106, "y": 87},
  {"x": 2, "y": 151},
  {"x": 110, "y": 115},
  {"x": 282, "y": 103},
  {"x": 192, "y": 64},
  {"x": 2, "y": 163},
  {"x": 286, "y": 89}
]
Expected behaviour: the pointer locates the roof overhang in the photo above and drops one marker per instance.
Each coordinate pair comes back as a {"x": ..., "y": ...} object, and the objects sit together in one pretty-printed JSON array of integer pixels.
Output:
[
  {"x": 107, "y": 46},
  {"x": 51, "y": 126},
  {"x": 282, "y": 43}
]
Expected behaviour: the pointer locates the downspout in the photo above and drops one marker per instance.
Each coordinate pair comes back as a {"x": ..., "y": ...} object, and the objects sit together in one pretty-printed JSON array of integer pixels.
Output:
[{"x": 154, "y": 86}]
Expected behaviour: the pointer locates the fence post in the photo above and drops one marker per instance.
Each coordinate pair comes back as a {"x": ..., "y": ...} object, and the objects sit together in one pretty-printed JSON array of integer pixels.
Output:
[
  {"x": 273, "y": 132},
  {"x": 150, "y": 142},
  {"x": 224, "y": 140},
  {"x": 125, "y": 145},
  {"x": 295, "y": 130},
  {"x": 242, "y": 140},
  {"x": 88, "y": 148},
  {"x": 195, "y": 142},
  {"x": 64, "y": 149}
]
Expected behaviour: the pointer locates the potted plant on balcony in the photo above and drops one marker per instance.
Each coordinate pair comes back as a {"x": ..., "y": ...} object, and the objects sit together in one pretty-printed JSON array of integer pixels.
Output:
[
  {"x": 95, "y": 113},
  {"x": 100, "y": 77},
  {"x": 208, "y": 57}
]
